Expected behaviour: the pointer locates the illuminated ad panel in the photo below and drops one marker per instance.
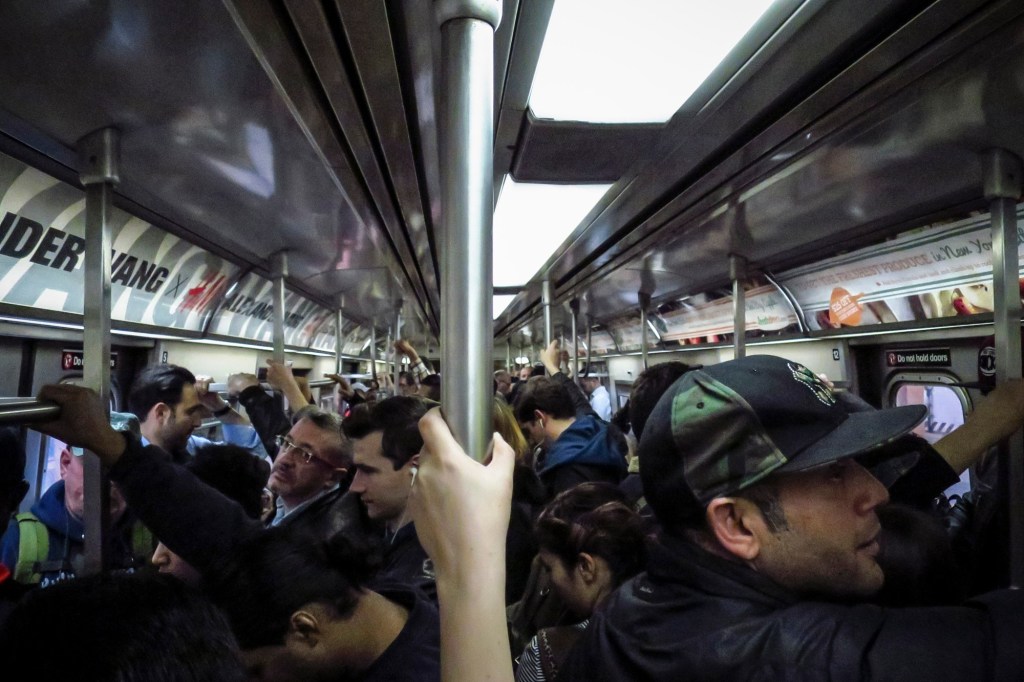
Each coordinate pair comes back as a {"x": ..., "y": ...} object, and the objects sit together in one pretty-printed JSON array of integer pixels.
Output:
[
  {"x": 601, "y": 342},
  {"x": 156, "y": 278},
  {"x": 706, "y": 318},
  {"x": 627, "y": 333},
  {"x": 934, "y": 272},
  {"x": 248, "y": 313}
]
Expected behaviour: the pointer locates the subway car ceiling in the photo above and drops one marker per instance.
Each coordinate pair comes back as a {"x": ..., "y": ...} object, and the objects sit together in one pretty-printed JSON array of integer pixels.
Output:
[{"x": 250, "y": 128}]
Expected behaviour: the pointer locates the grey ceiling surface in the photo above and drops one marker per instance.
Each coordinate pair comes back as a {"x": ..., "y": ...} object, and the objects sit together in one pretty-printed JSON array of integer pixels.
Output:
[{"x": 255, "y": 127}]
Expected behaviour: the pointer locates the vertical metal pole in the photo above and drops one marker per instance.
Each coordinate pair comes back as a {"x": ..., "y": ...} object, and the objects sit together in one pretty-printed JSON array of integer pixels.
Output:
[
  {"x": 546, "y": 302},
  {"x": 645, "y": 302},
  {"x": 389, "y": 352},
  {"x": 98, "y": 160},
  {"x": 373, "y": 351},
  {"x": 1004, "y": 173},
  {"x": 508, "y": 354},
  {"x": 339, "y": 338},
  {"x": 467, "y": 144},
  {"x": 279, "y": 265},
  {"x": 738, "y": 272},
  {"x": 574, "y": 306},
  {"x": 398, "y": 335}
]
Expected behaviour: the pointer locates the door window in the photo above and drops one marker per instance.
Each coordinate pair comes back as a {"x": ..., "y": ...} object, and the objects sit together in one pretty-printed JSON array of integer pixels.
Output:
[{"x": 946, "y": 405}]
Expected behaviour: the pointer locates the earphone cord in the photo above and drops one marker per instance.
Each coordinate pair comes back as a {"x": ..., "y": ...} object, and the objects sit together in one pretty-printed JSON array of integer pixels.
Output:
[{"x": 401, "y": 519}]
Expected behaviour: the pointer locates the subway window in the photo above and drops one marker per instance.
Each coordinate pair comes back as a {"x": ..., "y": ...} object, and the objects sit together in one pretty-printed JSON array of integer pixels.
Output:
[{"x": 946, "y": 412}]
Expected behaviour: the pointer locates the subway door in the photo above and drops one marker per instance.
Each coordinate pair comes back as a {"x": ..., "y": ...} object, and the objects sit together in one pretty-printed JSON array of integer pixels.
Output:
[{"x": 936, "y": 374}]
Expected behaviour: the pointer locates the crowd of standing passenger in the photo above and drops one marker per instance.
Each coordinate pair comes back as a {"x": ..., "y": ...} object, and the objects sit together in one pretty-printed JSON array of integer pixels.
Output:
[{"x": 749, "y": 537}]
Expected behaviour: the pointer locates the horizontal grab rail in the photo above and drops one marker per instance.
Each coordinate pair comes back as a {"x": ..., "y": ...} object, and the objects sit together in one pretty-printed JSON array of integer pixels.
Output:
[
  {"x": 221, "y": 387},
  {"x": 27, "y": 411}
]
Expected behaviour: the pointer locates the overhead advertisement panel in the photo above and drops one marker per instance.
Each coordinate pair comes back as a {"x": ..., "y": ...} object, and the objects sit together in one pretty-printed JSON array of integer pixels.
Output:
[
  {"x": 248, "y": 313},
  {"x": 705, "y": 318},
  {"x": 601, "y": 342},
  {"x": 940, "y": 271},
  {"x": 157, "y": 279},
  {"x": 627, "y": 333}
]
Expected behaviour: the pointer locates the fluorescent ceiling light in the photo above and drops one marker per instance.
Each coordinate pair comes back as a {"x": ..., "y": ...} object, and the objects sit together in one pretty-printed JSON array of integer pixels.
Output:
[
  {"x": 531, "y": 221},
  {"x": 608, "y": 61},
  {"x": 500, "y": 303}
]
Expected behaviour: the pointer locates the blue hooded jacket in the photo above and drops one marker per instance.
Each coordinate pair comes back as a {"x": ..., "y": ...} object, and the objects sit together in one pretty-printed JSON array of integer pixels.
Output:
[
  {"x": 66, "y": 538},
  {"x": 586, "y": 441}
]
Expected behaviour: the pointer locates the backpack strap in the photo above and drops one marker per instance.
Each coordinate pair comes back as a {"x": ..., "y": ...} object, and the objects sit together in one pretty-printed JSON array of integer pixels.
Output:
[
  {"x": 554, "y": 645},
  {"x": 33, "y": 547},
  {"x": 143, "y": 543}
]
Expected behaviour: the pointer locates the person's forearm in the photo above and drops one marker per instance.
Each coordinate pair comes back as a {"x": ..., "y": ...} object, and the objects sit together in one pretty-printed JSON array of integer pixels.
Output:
[
  {"x": 111, "y": 448},
  {"x": 296, "y": 399},
  {"x": 474, "y": 634},
  {"x": 995, "y": 419}
]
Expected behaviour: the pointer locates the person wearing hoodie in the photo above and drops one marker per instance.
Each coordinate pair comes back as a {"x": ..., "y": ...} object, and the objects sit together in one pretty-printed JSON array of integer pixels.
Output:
[
  {"x": 54, "y": 530},
  {"x": 578, "y": 447}
]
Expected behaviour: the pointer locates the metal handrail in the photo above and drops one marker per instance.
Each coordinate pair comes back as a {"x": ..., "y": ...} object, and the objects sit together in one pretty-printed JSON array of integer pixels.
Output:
[{"x": 27, "y": 411}]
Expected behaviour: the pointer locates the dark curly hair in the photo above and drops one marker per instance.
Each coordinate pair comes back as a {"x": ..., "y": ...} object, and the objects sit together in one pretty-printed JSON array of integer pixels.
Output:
[{"x": 594, "y": 518}]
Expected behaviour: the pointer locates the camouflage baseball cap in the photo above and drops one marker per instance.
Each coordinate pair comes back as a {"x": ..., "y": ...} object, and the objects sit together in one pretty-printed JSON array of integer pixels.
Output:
[{"x": 720, "y": 429}]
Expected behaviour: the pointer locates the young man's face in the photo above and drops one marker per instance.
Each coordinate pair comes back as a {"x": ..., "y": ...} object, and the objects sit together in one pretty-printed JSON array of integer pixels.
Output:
[
  {"x": 184, "y": 418},
  {"x": 534, "y": 431},
  {"x": 293, "y": 478},
  {"x": 829, "y": 542},
  {"x": 382, "y": 488}
]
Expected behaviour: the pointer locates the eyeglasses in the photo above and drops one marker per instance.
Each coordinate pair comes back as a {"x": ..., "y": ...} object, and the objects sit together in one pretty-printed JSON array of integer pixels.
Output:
[{"x": 284, "y": 443}]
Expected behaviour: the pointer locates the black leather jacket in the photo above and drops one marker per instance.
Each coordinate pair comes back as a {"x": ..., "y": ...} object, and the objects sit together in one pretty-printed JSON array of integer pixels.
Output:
[
  {"x": 694, "y": 616},
  {"x": 266, "y": 412}
]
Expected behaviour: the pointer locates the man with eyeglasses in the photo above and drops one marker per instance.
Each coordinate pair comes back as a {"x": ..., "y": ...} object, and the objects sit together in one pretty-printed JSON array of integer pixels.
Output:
[{"x": 311, "y": 466}]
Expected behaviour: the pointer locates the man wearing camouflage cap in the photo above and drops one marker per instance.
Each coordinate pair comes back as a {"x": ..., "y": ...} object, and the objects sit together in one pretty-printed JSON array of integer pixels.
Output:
[{"x": 770, "y": 535}]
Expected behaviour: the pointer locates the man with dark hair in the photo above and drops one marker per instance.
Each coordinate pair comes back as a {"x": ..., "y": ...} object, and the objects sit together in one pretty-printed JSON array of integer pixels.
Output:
[
  {"x": 770, "y": 536},
  {"x": 386, "y": 442},
  {"x": 579, "y": 447},
  {"x": 170, "y": 402},
  {"x": 430, "y": 387},
  {"x": 406, "y": 384},
  {"x": 310, "y": 471},
  {"x": 648, "y": 388},
  {"x": 643, "y": 396},
  {"x": 130, "y": 628}
]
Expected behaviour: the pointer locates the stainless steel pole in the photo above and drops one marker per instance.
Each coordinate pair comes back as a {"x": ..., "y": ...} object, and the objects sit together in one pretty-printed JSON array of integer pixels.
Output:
[
  {"x": 508, "y": 354},
  {"x": 738, "y": 272},
  {"x": 279, "y": 263},
  {"x": 546, "y": 301},
  {"x": 339, "y": 338},
  {"x": 1004, "y": 174},
  {"x": 467, "y": 140},
  {"x": 98, "y": 159},
  {"x": 373, "y": 351},
  {"x": 398, "y": 335},
  {"x": 574, "y": 306}
]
